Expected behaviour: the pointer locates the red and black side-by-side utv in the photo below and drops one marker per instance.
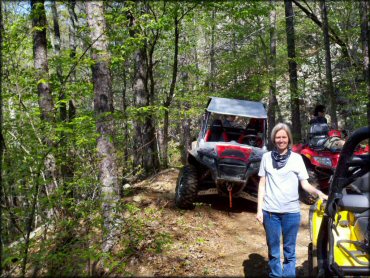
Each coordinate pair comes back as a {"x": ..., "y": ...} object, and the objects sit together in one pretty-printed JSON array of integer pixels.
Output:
[{"x": 226, "y": 157}]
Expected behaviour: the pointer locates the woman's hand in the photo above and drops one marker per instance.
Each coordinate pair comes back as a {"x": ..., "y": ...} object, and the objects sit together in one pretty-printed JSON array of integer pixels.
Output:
[
  {"x": 259, "y": 217},
  {"x": 321, "y": 195}
]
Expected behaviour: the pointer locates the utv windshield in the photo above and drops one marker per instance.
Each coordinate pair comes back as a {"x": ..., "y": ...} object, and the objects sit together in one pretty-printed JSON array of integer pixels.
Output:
[
  {"x": 237, "y": 107},
  {"x": 228, "y": 128}
]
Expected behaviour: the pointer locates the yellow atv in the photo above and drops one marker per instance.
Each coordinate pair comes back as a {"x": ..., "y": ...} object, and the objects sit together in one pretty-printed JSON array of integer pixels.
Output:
[{"x": 339, "y": 227}]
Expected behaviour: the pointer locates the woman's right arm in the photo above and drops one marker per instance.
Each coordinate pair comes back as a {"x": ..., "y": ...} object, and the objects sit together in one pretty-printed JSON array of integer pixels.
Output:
[{"x": 261, "y": 195}]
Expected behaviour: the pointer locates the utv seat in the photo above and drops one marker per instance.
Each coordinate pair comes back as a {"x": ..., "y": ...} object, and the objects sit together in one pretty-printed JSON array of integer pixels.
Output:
[
  {"x": 318, "y": 135},
  {"x": 359, "y": 204},
  {"x": 216, "y": 133}
]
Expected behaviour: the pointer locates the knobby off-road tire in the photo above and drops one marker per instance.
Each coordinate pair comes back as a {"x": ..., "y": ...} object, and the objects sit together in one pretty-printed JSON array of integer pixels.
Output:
[
  {"x": 304, "y": 196},
  {"x": 186, "y": 187}
]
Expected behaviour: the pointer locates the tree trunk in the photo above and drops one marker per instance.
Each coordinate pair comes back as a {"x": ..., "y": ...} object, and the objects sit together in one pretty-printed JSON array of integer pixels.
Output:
[
  {"x": 365, "y": 38},
  {"x": 234, "y": 50},
  {"x": 212, "y": 52},
  {"x": 73, "y": 20},
  {"x": 72, "y": 44},
  {"x": 195, "y": 50},
  {"x": 47, "y": 114},
  {"x": 57, "y": 40},
  {"x": 103, "y": 107},
  {"x": 45, "y": 99},
  {"x": 65, "y": 165},
  {"x": 319, "y": 63},
  {"x": 61, "y": 95},
  {"x": 171, "y": 92},
  {"x": 125, "y": 125},
  {"x": 41, "y": 60},
  {"x": 153, "y": 141},
  {"x": 151, "y": 63},
  {"x": 329, "y": 78},
  {"x": 140, "y": 100},
  {"x": 145, "y": 143},
  {"x": 272, "y": 66},
  {"x": 185, "y": 122},
  {"x": 293, "y": 81},
  {"x": 1, "y": 137}
]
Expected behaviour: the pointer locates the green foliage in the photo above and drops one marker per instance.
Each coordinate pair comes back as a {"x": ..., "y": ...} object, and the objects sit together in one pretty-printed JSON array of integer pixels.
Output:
[
  {"x": 142, "y": 233},
  {"x": 242, "y": 69}
]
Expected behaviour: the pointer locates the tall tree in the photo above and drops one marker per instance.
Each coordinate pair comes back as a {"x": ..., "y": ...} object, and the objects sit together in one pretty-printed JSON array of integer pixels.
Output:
[
  {"x": 46, "y": 106},
  {"x": 45, "y": 99},
  {"x": 365, "y": 38},
  {"x": 103, "y": 107},
  {"x": 272, "y": 107},
  {"x": 41, "y": 61},
  {"x": 72, "y": 46},
  {"x": 212, "y": 51},
  {"x": 145, "y": 143},
  {"x": 177, "y": 18},
  {"x": 125, "y": 124},
  {"x": 293, "y": 80},
  {"x": 57, "y": 40},
  {"x": 171, "y": 93},
  {"x": 184, "y": 106},
  {"x": 59, "y": 71},
  {"x": 1, "y": 138},
  {"x": 64, "y": 163},
  {"x": 329, "y": 77}
]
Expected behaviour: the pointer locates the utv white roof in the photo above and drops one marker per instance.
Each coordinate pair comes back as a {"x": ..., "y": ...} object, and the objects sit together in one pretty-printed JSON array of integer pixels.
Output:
[{"x": 237, "y": 107}]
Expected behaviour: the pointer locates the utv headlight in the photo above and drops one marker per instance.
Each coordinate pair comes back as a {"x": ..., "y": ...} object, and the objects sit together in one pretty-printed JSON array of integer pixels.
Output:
[{"x": 323, "y": 160}]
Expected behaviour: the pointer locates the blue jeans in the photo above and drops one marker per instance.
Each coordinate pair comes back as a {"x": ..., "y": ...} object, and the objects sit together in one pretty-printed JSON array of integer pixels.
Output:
[{"x": 276, "y": 224}]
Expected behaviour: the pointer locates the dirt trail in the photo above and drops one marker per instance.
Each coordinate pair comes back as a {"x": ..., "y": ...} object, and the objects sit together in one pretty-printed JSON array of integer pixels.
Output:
[{"x": 210, "y": 240}]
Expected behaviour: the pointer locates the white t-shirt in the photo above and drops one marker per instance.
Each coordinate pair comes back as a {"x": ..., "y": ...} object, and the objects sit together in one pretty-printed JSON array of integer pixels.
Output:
[{"x": 281, "y": 193}]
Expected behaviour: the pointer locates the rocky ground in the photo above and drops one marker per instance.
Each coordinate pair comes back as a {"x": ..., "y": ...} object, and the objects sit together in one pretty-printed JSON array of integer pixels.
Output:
[{"x": 211, "y": 240}]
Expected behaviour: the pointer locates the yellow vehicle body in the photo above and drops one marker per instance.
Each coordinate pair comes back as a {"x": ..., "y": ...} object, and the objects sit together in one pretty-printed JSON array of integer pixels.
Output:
[
  {"x": 346, "y": 253},
  {"x": 342, "y": 250}
]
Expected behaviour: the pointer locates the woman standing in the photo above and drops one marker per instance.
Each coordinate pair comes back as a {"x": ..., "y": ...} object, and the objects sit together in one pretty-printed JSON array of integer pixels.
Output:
[{"x": 278, "y": 206}]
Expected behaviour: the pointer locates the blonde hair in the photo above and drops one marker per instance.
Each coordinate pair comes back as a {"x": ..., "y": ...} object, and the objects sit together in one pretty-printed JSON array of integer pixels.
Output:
[{"x": 278, "y": 127}]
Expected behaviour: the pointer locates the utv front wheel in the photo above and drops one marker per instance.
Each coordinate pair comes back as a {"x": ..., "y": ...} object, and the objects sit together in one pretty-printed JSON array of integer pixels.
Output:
[{"x": 186, "y": 187}]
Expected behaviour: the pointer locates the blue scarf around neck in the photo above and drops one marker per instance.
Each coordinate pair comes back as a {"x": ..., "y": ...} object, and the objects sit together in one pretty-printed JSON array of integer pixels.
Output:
[{"x": 279, "y": 160}]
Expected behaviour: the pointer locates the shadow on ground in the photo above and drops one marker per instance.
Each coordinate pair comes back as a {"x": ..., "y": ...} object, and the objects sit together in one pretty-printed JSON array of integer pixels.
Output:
[
  {"x": 255, "y": 266},
  {"x": 302, "y": 270}
]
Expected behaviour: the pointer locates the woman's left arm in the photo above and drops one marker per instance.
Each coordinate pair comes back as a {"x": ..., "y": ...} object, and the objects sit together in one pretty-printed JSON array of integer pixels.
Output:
[{"x": 311, "y": 189}]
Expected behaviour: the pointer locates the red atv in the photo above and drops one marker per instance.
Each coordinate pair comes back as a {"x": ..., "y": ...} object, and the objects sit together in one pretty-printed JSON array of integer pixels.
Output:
[{"x": 321, "y": 156}]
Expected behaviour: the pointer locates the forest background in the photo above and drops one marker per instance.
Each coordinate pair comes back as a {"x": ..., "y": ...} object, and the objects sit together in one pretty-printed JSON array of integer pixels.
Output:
[{"x": 95, "y": 96}]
